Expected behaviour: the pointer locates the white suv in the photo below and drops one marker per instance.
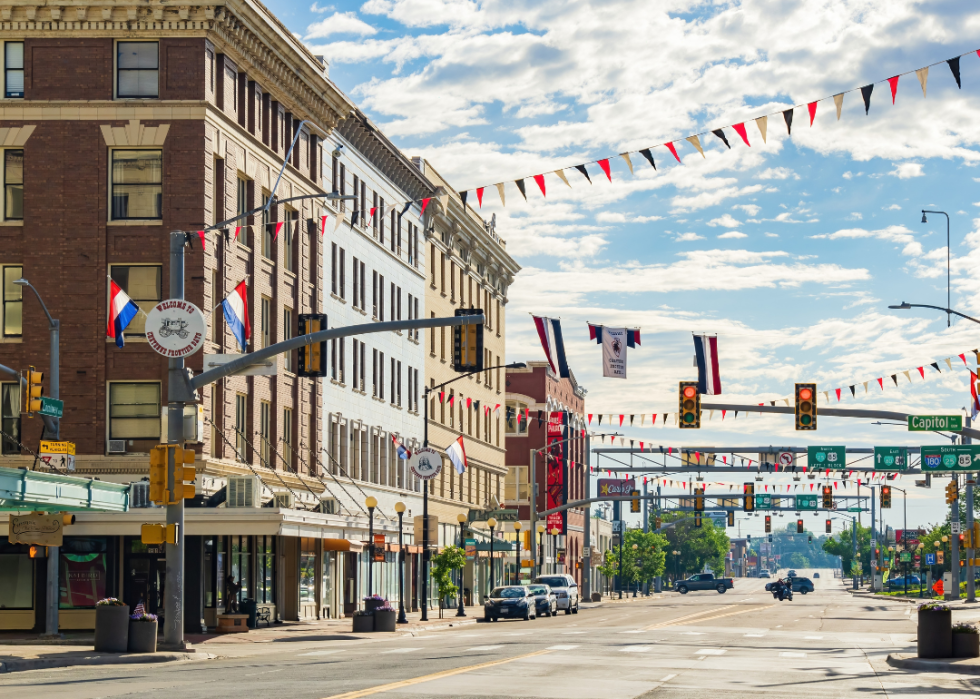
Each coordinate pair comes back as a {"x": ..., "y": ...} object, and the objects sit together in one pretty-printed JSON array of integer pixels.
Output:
[{"x": 565, "y": 589}]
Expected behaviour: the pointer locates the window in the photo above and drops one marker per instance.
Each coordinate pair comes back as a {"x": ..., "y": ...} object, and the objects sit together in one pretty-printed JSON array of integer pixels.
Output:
[
  {"x": 342, "y": 264},
  {"x": 241, "y": 200},
  {"x": 374, "y": 373},
  {"x": 265, "y": 431},
  {"x": 358, "y": 359},
  {"x": 266, "y": 322},
  {"x": 415, "y": 315},
  {"x": 374, "y": 213},
  {"x": 13, "y": 64},
  {"x": 381, "y": 220},
  {"x": 381, "y": 297},
  {"x": 356, "y": 208},
  {"x": 143, "y": 284},
  {"x": 13, "y": 301},
  {"x": 16, "y": 577},
  {"x": 265, "y": 569},
  {"x": 357, "y": 285},
  {"x": 363, "y": 203},
  {"x": 414, "y": 391},
  {"x": 13, "y": 185},
  {"x": 241, "y": 567},
  {"x": 287, "y": 438},
  {"x": 241, "y": 412},
  {"x": 361, "y": 377},
  {"x": 289, "y": 363},
  {"x": 516, "y": 417},
  {"x": 396, "y": 245},
  {"x": 343, "y": 185},
  {"x": 392, "y": 374},
  {"x": 134, "y": 410},
  {"x": 10, "y": 409},
  {"x": 137, "y": 67},
  {"x": 137, "y": 184},
  {"x": 333, "y": 359},
  {"x": 516, "y": 485},
  {"x": 398, "y": 383},
  {"x": 413, "y": 253},
  {"x": 363, "y": 290},
  {"x": 85, "y": 570}
]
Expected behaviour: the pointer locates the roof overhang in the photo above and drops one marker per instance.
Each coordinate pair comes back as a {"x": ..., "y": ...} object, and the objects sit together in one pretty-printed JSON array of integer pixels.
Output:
[{"x": 26, "y": 491}]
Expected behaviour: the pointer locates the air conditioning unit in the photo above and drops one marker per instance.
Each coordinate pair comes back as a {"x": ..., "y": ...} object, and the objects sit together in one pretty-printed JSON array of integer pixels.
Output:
[
  {"x": 244, "y": 491},
  {"x": 116, "y": 446},
  {"x": 285, "y": 501},
  {"x": 139, "y": 494},
  {"x": 329, "y": 506}
]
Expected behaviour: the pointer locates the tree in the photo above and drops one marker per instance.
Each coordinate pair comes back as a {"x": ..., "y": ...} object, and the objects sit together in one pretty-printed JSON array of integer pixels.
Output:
[
  {"x": 444, "y": 563},
  {"x": 699, "y": 546},
  {"x": 609, "y": 566},
  {"x": 650, "y": 555},
  {"x": 842, "y": 545}
]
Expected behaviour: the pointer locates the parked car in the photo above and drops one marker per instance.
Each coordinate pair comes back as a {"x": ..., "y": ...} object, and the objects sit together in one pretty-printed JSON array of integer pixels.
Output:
[
  {"x": 546, "y": 603},
  {"x": 704, "y": 581},
  {"x": 515, "y": 601},
  {"x": 791, "y": 574},
  {"x": 565, "y": 589},
  {"x": 816, "y": 575},
  {"x": 799, "y": 584},
  {"x": 899, "y": 582}
]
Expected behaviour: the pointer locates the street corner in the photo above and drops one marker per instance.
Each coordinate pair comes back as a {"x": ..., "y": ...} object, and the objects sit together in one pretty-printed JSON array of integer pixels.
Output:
[
  {"x": 53, "y": 658},
  {"x": 908, "y": 661}
]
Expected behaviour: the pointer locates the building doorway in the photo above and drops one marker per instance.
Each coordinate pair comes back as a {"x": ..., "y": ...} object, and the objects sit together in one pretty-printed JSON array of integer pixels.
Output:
[{"x": 146, "y": 571}]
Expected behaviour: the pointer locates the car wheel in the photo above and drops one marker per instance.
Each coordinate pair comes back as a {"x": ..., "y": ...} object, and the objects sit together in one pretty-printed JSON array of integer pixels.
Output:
[
  {"x": 721, "y": 589},
  {"x": 486, "y": 618},
  {"x": 496, "y": 618},
  {"x": 527, "y": 615},
  {"x": 575, "y": 611},
  {"x": 682, "y": 590},
  {"x": 803, "y": 591},
  {"x": 568, "y": 610}
]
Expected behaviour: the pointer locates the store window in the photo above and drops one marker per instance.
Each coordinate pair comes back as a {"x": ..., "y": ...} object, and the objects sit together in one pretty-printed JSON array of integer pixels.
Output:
[
  {"x": 16, "y": 576},
  {"x": 13, "y": 301},
  {"x": 85, "y": 571},
  {"x": 516, "y": 418},
  {"x": 307, "y": 570},
  {"x": 241, "y": 559},
  {"x": 265, "y": 581}
]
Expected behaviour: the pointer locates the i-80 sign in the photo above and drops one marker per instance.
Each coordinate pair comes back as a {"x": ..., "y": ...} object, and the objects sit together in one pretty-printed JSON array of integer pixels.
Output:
[{"x": 951, "y": 457}]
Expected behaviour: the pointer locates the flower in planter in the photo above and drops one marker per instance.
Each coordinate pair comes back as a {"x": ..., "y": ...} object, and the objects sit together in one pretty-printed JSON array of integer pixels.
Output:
[
  {"x": 933, "y": 607},
  {"x": 143, "y": 617},
  {"x": 966, "y": 628},
  {"x": 376, "y": 598},
  {"x": 110, "y": 602}
]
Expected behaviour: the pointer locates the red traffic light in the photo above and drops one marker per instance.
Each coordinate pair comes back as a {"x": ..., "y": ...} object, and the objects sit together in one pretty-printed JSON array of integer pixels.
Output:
[
  {"x": 806, "y": 394},
  {"x": 689, "y": 391}
]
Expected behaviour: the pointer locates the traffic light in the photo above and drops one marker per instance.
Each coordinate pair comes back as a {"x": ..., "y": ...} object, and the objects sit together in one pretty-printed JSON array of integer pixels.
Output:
[
  {"x": 770, "y": 538},
  {"x": 768, "y": 524},
  {"x": 806, "y": 406},
  {"x": 635, "y": 502},
  {"x": 32, "y": 403},
  {"x": 809, "y": 538},
  {"x": 697, "y": 519},
  {"x": 183, "y": 471},
  {"x": 159, "y": 534},
  {"x": 828, "y": 526},
  {"x": 36, "y": 551},
  {"x": 657, "y": 522},
  {"x": 748, "y": 500},
  {"x": 468, "y": 343},
  {"x": 699, "y": 499},
  {"x": 312, "y": 357},
  {"x": 799, "y": 526},
  {"x": 731, "y": 518},
  {"x": 689, "y": 404},
  {"x": 158, "y": 474},
  {"x": 886, "y": 497},
  {"x": 952, "y": 491},
  {"x": 828, "y": 498}
]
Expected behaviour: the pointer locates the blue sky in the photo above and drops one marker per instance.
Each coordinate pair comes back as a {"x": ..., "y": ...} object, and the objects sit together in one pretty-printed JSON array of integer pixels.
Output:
[{"x": 790, "y": 250}]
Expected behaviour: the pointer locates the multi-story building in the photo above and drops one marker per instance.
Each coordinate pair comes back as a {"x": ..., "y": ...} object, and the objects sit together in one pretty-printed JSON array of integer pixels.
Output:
[
  {"x": 535, "y": 396},
  {"x": 469, "y": 267}
]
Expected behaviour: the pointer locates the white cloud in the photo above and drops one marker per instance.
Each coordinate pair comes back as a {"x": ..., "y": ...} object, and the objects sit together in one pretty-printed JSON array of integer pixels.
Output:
[
  {"x": 771, "y": 235},
  {"x": 726, "y": 220},
  {"x": 777, "y": 173},
  {"x": 339, "y": 23},
  {"x": 893, "y": 234},
  {"x": 893, "y": 207},
  {"x": 733, "y": 234},
  {"x": 750, "y": 209},
  {"x": 855, "y": 216},
  {"x": 904, "y": 171},
  {"x": 319, "y": 10},
  {"x": 685, "y": 237},
  {"x": 617, "y": 217}
]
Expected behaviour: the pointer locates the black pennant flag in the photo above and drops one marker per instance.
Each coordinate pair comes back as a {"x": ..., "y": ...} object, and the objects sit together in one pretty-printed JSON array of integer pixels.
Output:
[
  {"x": 852, "y": 391},
  {"x": 895, "y": 378},
  {"x": 540, "y": 417},
  {"x": 788, "y": 118},
  {"x": 954, "y": 65},
  {"x": 581, "y": 168},
  {"x": 866, "y": 96},
  {"x": 600, "y": 419},
  {"x": 649, "y": 156},
  {"x": 631, "y": 420},
  {"x": 462, "y": 195},
  {"x": 353, "y": 218},
  {"x": 772, "y": 403},
  {"x": 935, "y": 365},
  {"x": 408, "y": 205},
  {"x": 520, "y": 186},
  {"x": 721, "y": 134}
]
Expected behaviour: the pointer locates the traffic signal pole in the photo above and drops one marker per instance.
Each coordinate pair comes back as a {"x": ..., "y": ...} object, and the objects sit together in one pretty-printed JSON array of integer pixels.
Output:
[
  {"x": 954, "y": 551},
  {"x": 971, "y": 478}
]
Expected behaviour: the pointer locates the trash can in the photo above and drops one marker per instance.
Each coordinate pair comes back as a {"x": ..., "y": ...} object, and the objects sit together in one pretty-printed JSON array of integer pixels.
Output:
[{"x": 250, "y": 607}]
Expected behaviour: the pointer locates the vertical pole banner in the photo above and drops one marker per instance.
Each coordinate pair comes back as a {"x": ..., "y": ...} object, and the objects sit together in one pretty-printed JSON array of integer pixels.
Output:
[{"x": 557, "y": 468}]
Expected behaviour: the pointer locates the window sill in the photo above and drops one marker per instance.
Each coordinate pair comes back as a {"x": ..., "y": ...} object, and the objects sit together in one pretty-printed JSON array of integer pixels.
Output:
[
  {"x": 14, "y": 340},
  {"x": 137, "y": 340},
  {"x": 19, "y": 224},
  {"x": 360, "y": 310},
  {"x": 337, "y": 298},
  {"x": 289, "y": 273},
  {"x": 335, "y": 382},
  {"x": 136, "y": 222}
]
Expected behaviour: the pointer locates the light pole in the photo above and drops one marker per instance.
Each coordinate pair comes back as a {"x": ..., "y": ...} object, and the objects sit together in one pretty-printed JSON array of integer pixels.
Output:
[
  {"x": 492, "y": 522},
  {"x": 371, "y": 502},
  {"x": 635, "y": 547},
  {"x": 51, "y": 588},
  {"x": 402, "y": 619},
  {"x": 538, "y": 549},
  {"x": 925, "y": 220},
  {"x": 461, "y": 518},
  {"x": 676, "y": 574},
  {"x": 517, "y": 557},
  {"x": 555, "y": 531},
  {"x": 922, "y": 561}
]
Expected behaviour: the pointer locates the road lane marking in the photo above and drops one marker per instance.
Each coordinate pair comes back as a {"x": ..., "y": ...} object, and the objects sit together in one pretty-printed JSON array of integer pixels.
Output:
[
  {"x": 321, "y": 652},
  {"x": 788, "y": 654},
  {"x": 668, "y": 678},
  {"x": 692, "y": 633},
  {"x": 740, "y": 611},
  {"x": 685, "y": 618},
  {"x": 636, "y": 649},
  {"x": 813, "y": 638},
  {"x": 711, "y": 651},
  {"x": 574, "y": 633},
  {"x": 636, "y": 631},
  {"x": 484, "y": 648},
  {"x": 755, "y": 635},
  {"x": 567, "y": 647},
  {"x": 428, "y": 678},
  {"x": 401, "y": 650}
]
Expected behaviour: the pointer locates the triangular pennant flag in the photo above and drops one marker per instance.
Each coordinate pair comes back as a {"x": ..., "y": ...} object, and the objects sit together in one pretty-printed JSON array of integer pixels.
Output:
[
  {"x": 500, "y": 191},
  {"x": 581, "y": 168},
  {"x": 643, "y": 419},
  {"x": 881, "y": 384},
  {"x": 631, "y": 420},
  {"x": 923, "y": 75},
  {"x": 278, "y": 228},
  {"x": 866, "y": 96},
  {"x": 935, "y": 365},
  {"x": 463, "y": 196},
  {"x": 907, "y": 376},
  {"x": 590, "y": 418},
  {"x": 893, "y": 84},
  {"x": 812, "y": 108},
  {"x": 539, "y": 180},
  {"x": 604, "y": 164},
  {"x": 621, "y": 420},
  {"x": 520, "y": 186},
  {"x": 561, "y": 176},
  {"x": 696, "y": 142},
  {"x": 663, "y": 419},
  {"x": 826, "y": 397},
  {"x": 762, "y": 122},
  {"x": 963, "y": 357},
  {"x": 374, "y": 208},
  {"x": 425, "y": 203},
  {"x": 653, "y": 420},
  {"x": 922, "y": 372},
  {"x": 954, "y": 65},
  {"x": 711, "y": 414},
  {"x": 865, "y": 386},
  {"x": 670, "y": 147},
  {"x": 837, "y": 391},
  {"x": 629, "y": 163},
  {"x": 649, "y": 156},
  {"x": 479, "y": 196},
  {"x": 852, "y": 391},
  {"x": 600, "y": 418},
  {"x": 238, "y": 229},
  {"x": 788, "y": 118},
  {"x": 323, "y": 226},
  {"x": 200, "y": 234},
  {"x": 723, "y": 413},
  {"x": 894, "y": 378},
  {"x": 740, "y": 130},
  {"x": 339, "y": 221},
  {"x": 839, "y": 102},
  {"x": 721, "y": 134},
  {"x": 949, "y": 365}
]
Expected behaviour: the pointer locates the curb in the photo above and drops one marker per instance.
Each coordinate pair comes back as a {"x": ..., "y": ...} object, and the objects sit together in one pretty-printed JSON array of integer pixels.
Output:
[
  {"x": 437, "y": 627},
  {"x": 107, "y": 659},
  {"x": 48, "y": 642},
  {"x": 938, "y": 665}
]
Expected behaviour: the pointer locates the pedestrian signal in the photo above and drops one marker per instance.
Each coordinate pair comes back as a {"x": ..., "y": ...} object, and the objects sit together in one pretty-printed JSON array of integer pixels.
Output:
[
  {"x": 689, "y": 402},
  {"x": 806, "y": 406},
  {"x": 828, "y": 498}
]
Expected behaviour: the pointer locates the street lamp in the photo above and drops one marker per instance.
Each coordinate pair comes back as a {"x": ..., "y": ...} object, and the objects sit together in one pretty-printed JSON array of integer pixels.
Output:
[
  {"x": 461, "y": 518},
  {"x": 371, "y": 502},
  {"x": 922, "y": 561},
  {"x": 554, "y": 548},
  {"x": 676, "y": 554},
  {"x": 492, "y": 522},
  {"x": 635, "y": 547},
  {"x": 402, "y": 619},
  {"x": 517, "y": 530}
]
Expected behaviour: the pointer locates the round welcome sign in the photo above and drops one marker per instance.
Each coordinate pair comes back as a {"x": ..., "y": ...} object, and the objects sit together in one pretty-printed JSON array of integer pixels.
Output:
[
  {"x": 175, "y": 328},
  {"x": 426, "y": 463}
]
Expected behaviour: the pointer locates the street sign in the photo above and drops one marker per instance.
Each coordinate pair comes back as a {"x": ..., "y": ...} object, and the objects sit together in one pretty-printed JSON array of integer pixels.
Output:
[
  {"x": 891, "y": 459},
  {"x": 586, "y": 552},
  {"x": 763, "y": 502},
  {"x": 52, "y": 407},
  {"x": 57, "y": 455},
  {"x": 266, "y": 367},
  {"x": 905, "y": 556},
  {"x": 954, "y": 528},
  {"x": 826, "y": 457},
  {"x": 951, "y": 457},
  {"x": 806, "y": 502},
  {"x": 617, "y": 526},
  {"x": 425, "y": 463},
  {"x": 931, "y": 423},
  {"x": 175, "y": 328},
  {"x": 854, "y": 509},
  {"x": 930, "y": 559}
]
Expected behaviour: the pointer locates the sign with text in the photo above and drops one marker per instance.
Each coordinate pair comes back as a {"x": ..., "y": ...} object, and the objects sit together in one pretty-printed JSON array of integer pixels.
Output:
[
  {"x": 931, "y": 423},
  {"x": 826, "y": 457},
  {"x": 175, "y": 328},
  {"x": 57, "y": 455},
  {"x": 951, "y": 457},
  {"x": 806, "y": 502},
  {"x": 930, "y": 559},
  {"x": 556, "y": 492},
  {"x": 52, "y": 407},
  {"x": 616, "y": 486},
  {"x": 891, "y": 458},
  {"x": 763, "y": 502},
  {"x": 37, "y": 528},
  {"x": 425, "y": 463}
]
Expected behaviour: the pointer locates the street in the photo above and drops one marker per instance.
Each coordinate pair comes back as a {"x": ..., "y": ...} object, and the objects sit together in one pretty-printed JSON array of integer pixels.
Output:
[{"x": 739, "y": 644}]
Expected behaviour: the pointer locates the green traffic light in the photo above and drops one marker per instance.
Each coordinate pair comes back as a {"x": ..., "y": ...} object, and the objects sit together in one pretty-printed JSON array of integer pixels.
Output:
[
  {"x": 805, "y": 419},
  {"x": 689, "y": 417}
]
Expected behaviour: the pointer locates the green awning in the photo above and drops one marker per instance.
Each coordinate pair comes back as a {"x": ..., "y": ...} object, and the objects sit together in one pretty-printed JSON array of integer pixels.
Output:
[{"x": 25, "y": 491}]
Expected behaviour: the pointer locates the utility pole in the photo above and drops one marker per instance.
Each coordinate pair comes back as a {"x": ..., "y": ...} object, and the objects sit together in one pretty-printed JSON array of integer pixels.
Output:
[
  {"x": 587, "y": 534},
  {"x": 971, "y": 478},
  {"x": 954, "y": 549},
  {"x": 854, "y": 545},
  {"x": 874, "y": 543}
]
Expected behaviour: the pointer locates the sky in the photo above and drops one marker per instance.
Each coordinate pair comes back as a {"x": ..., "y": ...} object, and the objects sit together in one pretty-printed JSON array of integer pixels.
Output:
[{"x": 790, "y": 249}]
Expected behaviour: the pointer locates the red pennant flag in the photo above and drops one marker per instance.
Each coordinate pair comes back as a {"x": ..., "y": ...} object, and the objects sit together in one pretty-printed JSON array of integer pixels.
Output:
[
  {"x": 604, "y": 164},
  {"x": 766, "y": 488},
  {"x": 811, "y": 487},
  {"x": 278, "y": 228},
  {"x": 442, "y": 397},
  {"x": 723, "y": 412},
  {"x": 881, "y": 385},
  {"x": 540, "y": 181},
  {"x": 479, "y": 196},
  {"x": 620, "y": 420},
  {"x": 685, "y": 483},
  {"x": 973, "y": 391},
  {"x": 963, "y": 357},
  {"x": 469, "y": 402},
  {"x": 893, "y": 84},
  {"x": 641, "y": 449},
  {"x": 373, "y": 209},
  {"x": 200, "y": 234},
  {"x": 670, "y": 147},
  {"x": 812, "y": 108},
  {"x": 835, "y": 485},
  {"x": 837, "y": 391},
  {"x": 238, "y": 229},
  {"x": 526, "y": 410},
  {"x": 725, "y": 460},
  {"x": 323, "y": 225},
  {"x": 654, "y": 420},
  {"x": 922, "y": 372},
  {"x": 425, "y": 203},
  {"x": 590, "y": 418},
  {"x": 670, "y": 450},
  {"x": 644, "y": 480},
  {"x": 740, "y": 130}
]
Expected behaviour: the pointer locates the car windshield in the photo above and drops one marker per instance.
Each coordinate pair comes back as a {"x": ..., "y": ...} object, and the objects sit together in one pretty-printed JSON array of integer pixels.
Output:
[
  {"x": 508, "y": 592},
  {"x": 552, "y": 582},
  {"x": 539, "y": 589}
]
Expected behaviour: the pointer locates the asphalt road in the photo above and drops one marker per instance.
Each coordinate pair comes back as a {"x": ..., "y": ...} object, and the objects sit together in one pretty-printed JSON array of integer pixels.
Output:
[{"x": 704, "y": 644}]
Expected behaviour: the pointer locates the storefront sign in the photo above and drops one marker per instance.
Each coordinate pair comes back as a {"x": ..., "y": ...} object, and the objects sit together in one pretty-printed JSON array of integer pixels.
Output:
[
  {"x": 379, "y": 548},
  {"x": 37, "y": 528},
  {"x": 499, "y": 515},
  {"x": 556, "y": 456},
  {"x": 616, "y": 486},
  {"x": 470, "y": 549},
  {"x": 425, "y": 463},
  {"x": 175, "y": 328}
]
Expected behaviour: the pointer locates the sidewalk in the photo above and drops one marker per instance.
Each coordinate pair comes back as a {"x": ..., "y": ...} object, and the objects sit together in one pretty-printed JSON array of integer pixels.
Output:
[{"x": 908, "y": 661}]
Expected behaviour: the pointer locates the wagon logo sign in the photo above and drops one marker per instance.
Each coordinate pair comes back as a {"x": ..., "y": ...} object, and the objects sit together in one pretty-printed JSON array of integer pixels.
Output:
[
  {"x": 425, "y": 463},
  {"x": 175, "y": 328}
]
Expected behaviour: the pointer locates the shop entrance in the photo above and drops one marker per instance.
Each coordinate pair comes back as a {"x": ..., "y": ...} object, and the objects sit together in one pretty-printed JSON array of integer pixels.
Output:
[
  {"x": 145, "y": 573},
  {"x": 350, "y": 583}
]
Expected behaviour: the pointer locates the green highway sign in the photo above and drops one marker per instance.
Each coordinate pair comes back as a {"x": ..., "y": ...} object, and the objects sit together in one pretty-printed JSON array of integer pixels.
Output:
[
  {"x": 763, "y": 502},
  {"x": 52, "y": 407},
  {"x": 905, "y": 556},
  {"x": 930, "y": 423},
  {"x": 951, "y": 457},
  {"x": 806, "y": 502},
  {"x": 826, "y": 457},
  {"x": 891, "y": 459},
  {"x": 854, "y": 509}
]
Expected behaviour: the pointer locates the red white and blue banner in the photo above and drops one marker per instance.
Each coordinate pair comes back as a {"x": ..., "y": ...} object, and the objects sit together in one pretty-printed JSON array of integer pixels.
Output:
[
  {"x": 549, "y": 332},
  {"x": 235, "y": 307},
  {"x": 122, "y": 310},
  {"x": 614, "y": 342},
  {"x": 706, "y": 355}
]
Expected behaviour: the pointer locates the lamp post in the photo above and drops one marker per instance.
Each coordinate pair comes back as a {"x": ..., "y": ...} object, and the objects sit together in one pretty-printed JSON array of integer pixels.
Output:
[
  {"x": 922, "y": 561},
  {"x": 492, "y": 522},
  {"x": 635, "y": 547},
  {"x": 461, "y": 518},
  {"x": 538, "y": 554},
  {"x": 925, "y": 220},
  {"x": 554, "y": 548},
  {"x": 51, "y": 588},
  {"x": 676, "y": 554},
  {"x": 402, "y": 619},
  {"x": 517, "y": 557},
  {"x": 371, "y": 503}
]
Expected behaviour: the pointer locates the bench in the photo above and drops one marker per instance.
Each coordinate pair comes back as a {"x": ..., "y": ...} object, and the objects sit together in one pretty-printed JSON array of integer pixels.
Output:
[{"x": 263, "y": 613}]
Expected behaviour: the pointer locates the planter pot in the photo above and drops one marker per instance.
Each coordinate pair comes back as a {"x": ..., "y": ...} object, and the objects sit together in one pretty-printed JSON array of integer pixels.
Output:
[
  {"x": 596, "y": 597},
  {"x": 142, "y": 636},
  {"x": 385, "y": 621},
  {"x": 363, "y": 623},
  {"x": 112, "y": 629},
  {"x": 966, "y": 645},
  {"x": 371, "y": 604},
  {"x": 935, "y": 635}
]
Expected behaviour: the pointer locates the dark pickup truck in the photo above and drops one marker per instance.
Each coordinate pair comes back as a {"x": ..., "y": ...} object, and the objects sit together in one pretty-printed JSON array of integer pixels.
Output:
[{"x": 703, "y": 581}]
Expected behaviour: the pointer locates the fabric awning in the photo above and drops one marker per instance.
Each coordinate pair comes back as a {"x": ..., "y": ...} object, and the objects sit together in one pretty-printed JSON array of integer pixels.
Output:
[{"x": 342, "y": 545}]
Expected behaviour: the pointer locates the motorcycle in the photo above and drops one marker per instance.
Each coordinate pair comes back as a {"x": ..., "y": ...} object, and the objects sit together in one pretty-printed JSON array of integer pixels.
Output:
[{"x": 782, "y": 592}]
